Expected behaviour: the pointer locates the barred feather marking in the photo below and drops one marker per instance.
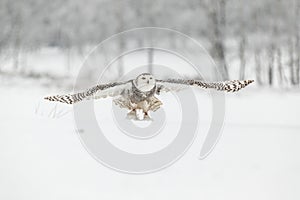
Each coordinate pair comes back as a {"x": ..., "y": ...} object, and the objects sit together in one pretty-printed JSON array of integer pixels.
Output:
[
  {"x": 90, "y": 93},
  {"x": 113, "y": 89},
  {"x": 229, "y": 86},
  {"x": 177, "y": 84},
  {"x": 69, "y": 99}
]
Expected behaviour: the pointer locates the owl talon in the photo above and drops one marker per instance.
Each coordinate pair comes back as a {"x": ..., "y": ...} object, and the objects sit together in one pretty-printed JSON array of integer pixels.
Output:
[
  {"x": 140, "y": 115},
  {"x": 147, "y": 117}
]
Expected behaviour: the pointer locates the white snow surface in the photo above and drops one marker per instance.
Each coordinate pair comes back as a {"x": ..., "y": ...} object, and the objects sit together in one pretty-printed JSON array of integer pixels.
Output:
[{"x": 257, "y": 156}]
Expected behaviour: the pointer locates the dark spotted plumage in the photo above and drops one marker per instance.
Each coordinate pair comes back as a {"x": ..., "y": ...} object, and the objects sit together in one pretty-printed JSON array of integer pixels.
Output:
[
  {"x": 139, "y": 94},
  {"x": 89, "y": 94},
  {"x": 228, "y": 86}
]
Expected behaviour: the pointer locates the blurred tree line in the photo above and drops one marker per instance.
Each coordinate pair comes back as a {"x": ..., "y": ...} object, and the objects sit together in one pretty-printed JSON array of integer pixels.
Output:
[{"x": 265, "y": 33}]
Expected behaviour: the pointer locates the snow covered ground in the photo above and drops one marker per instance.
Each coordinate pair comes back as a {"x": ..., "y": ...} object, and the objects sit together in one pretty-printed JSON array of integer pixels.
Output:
[{"x": 257, "y": 156}]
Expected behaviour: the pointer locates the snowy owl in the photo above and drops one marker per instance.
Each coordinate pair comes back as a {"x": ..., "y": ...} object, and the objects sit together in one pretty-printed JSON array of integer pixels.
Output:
[{"x": 139, "y": 95}]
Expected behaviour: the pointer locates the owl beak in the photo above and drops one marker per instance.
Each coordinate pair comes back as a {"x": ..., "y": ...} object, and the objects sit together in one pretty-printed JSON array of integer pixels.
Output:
[{"x": 148, "y": 82}]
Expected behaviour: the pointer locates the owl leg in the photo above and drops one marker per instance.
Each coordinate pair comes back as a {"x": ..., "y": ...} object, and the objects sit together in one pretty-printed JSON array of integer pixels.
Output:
[
  {"x": 124, "y": 103},
  {"x": 137, "y": 114},
  {"x": 147, "y": 116},
  {"x": 141, "y": 109},
  {"x": 127, "y": 104},
  {"x": 155, "y": 104},
  {"x": 146, "y": 109},
  {"x": 151, "y": 104},
  {"x": 140, "y": 114}
]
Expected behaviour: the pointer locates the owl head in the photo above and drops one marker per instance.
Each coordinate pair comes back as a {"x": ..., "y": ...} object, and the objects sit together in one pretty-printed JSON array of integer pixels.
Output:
[{"x": 144, "y": 82}]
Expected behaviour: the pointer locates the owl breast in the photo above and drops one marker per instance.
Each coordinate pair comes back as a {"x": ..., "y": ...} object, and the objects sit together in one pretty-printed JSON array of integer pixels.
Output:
[{"x": 139, "y": 96}]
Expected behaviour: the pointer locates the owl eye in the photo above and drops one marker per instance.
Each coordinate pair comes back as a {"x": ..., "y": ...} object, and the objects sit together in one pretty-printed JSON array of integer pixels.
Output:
[
  {"x": 143, "y": 78},
  {"x": 150, "y": 78}
]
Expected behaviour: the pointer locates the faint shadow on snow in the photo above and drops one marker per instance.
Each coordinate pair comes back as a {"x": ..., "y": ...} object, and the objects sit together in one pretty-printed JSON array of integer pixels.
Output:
[{"x": 52, "y": 109}]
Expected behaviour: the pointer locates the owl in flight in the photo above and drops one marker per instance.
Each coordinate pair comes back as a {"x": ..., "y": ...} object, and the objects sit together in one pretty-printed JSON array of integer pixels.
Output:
[{"x": 139, "y": 95}]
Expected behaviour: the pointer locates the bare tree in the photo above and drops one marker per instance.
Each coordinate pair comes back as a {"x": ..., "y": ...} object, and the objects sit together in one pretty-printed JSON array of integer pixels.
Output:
[
  {"x": 271, "y": 53},
  {"x": 282, "y": 77},
  {"x": 291, "y": 61},
  {"x": 150, "y": 60},
  {"x": 5, "y": 30},
  {"x": 297, "y": 60},
  {"x": 17, "y": 22},
  {"x": 217, "y": 17},
  {"x": 242, "y": 49},
  {"x": 258, "y": 70},
  {"x": 297, "y": 42},
  {"x": 138, "y": 9},
  {"x": 121, "y": 40}
]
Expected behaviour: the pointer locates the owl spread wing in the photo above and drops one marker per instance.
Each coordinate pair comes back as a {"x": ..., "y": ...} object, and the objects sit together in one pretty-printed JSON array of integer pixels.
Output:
[
  {"x": 96, "y": 92},
  {"x": 179, "y": 84}
]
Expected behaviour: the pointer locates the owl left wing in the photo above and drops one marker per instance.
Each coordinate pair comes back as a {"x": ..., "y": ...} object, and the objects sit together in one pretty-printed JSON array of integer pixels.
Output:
[
  {"x": 179, "y": 84},
  {"x": 96, "y": 92}
]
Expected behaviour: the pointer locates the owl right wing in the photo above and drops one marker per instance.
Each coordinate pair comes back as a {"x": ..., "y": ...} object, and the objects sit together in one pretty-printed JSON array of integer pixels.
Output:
[
  {"x": 179, "y": 84},
  {"x": 96, "y": 92}
]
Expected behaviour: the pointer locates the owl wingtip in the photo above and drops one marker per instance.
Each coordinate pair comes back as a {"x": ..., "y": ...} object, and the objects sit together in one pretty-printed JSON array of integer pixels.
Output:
[
  {"x": 248, "y": 81},
  {"x": 49, "y": 98}
]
